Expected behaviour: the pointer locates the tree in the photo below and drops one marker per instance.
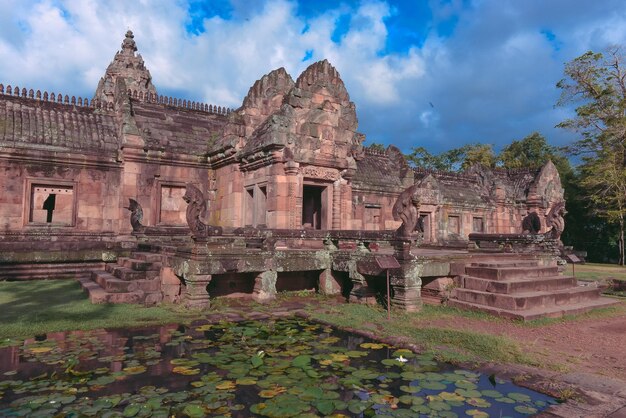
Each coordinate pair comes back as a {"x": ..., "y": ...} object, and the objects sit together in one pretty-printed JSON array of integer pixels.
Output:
[
  {"x": 454, "y": 159},
  {"x": 533, "y": 151},
  {"x": 597, "y": 83}
]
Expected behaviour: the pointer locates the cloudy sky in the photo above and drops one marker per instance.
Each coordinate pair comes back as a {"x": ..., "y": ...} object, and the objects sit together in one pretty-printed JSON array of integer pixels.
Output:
[{"x": 432, "y": 73}]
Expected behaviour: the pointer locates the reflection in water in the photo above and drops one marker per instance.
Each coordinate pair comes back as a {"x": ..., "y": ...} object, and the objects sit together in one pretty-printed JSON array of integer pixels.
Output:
[{"x": 270, "y": 368}]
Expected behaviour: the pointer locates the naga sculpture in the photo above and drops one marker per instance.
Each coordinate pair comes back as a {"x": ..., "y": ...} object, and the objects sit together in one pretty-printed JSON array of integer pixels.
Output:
[
  {"x": 196, "y": 206},
  {"x": 406, "y": 209},
  {"x": 136, "y": 215},
  {"x": 555, "y": 220},
  {"x": 531, "y": 224}
]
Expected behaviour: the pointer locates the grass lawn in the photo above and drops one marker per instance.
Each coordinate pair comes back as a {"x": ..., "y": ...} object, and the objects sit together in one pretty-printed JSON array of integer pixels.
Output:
[
  {"x": 447, "y": 345},
  {"x": 41, "y": 306},
  {"x": 595, "y": 271}
]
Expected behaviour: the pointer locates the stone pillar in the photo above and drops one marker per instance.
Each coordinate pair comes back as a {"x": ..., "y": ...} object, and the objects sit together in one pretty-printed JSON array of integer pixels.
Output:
[
  {"x": 328, "y": 285},
  {"x": 195, "y": 293},
  {"x": 337, "y": 204},
  {"x": 265, "y": 286},
  {"x": 293, "y": 193},
  {"x": 406, "y": 285},
  {"x": 361, "y": 292}
]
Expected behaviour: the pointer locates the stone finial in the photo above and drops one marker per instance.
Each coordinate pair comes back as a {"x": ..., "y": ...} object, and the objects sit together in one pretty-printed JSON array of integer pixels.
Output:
[
  {"x": 128, "y": 66},
  {"x": 129, "y": 47}
]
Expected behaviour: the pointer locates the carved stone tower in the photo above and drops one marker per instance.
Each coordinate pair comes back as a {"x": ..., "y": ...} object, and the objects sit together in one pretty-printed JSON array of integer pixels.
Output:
[{"x": 130, "y": 68}]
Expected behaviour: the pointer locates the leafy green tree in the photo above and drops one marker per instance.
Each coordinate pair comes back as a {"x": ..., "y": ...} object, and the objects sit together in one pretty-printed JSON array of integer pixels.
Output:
[
  {"x": 597, "y": 84},
  {"x": 454, "y": 159},
  {"x": 533, "y": 151}
]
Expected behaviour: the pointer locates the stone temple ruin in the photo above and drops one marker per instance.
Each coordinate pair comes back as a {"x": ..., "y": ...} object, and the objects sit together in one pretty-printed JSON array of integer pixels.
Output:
[{"x": 146, "y": 198}]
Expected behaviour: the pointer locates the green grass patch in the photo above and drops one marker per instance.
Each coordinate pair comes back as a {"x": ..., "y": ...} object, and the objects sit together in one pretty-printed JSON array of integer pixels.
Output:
[
  {"x": 596, "y": 271},
  {"x": 42, "y": 306},
  {"x": 615, "y": 310},
  {"x": 448, "y": 345}
]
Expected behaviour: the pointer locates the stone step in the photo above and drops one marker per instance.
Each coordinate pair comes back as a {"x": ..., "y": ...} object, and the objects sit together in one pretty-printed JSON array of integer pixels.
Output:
[
  {"x": 527, "y": 300},
  {"x": 504, "y": 264},
  {"x": 510, "y": 273},
  {"x": 125, "y": 273},
  {"x": 537, "y": 313},
  {"x": 138, "y": 265},
  {"x": 110, "y": 283},
  {"x": 145, "y": 256},
  {"x": 518, "y": 285},
  {"x": 99, "y": 295}
]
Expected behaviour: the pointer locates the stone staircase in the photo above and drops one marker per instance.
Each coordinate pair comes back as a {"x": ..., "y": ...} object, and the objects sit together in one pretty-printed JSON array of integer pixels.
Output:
[
  {"x": 524, "y": 290},
  {"x": 133, "y": 279}
]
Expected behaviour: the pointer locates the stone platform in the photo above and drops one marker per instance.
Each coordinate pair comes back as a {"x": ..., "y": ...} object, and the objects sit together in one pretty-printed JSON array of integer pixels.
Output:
[
  {"x": 259, "y": 263},
  {"x": 524, "y": 290}
]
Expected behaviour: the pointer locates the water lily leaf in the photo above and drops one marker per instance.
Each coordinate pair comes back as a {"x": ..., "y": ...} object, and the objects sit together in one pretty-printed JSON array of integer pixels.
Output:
[
  {"x": 373, "y": 346},
  {"x": 410, "y": 389},
  {"x": 468, "y": 393},
  {"x": 131, "y": 410},
  {"x": 526, "y": 410},
  {"x": 256, "y": 361},
  {"x": 184, "y": 370},
  {"x": 246, "y": 381},
  {"x": 404, "y": 353},
  {"x": 465, "y": 384},
  {"x": 491, "y": 393},
  {"x": 329, "y": 340},
  {"x": 479, "y": 402},
  {"x": 325, "y": 407},
  {"x": 505, "y": 400},
  {"x": 194, "y": 411},
  {"x": 134, "y": 369},
  {"x": 40, "y": 350},
  {"x": 430, "y": 385},
  {"x": 225, "y": 385},
  {"x": 449, "y": 396},
  {"x": 520, "y": 397},
  {"x": 356, "y": 353},
  {"x": 477, "y": 413},
  {"x": 301, "y": 361}
]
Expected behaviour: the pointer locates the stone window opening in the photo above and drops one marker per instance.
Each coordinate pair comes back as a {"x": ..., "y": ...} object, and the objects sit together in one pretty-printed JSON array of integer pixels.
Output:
[
  {"x": 454, "y": 224},
  {"x": 172, "y": 206},
  {"x": 255, "y": 207},
  {"x": 478, "y": 225},
  {"x": 312, "y": 207},
  {"x": 51, "y": 204}
]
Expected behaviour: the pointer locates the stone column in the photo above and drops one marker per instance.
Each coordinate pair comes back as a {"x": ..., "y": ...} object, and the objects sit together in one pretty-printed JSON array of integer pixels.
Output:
[
  {"x": 328, "y": 285},
  {"x": 265, "y": 286},
  {"x": 337, "y": 204},
  {"x": 195, "y": 293},
  {"x": 361, "y": 292},
  {"x": 406, "y": 285},
  {"x": 293, "y": 192}
]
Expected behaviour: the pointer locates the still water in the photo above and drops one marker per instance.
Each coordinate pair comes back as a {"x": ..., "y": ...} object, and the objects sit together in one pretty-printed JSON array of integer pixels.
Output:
[{"x": 282, "y": 368}]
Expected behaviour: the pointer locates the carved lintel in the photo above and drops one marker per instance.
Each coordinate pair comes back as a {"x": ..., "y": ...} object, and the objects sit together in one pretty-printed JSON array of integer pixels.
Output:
[{"x": 321, "y": 173}]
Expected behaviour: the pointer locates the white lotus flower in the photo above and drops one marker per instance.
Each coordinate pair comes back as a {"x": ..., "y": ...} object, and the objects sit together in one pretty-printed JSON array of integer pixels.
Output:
[{"x": 401, "y": 359}]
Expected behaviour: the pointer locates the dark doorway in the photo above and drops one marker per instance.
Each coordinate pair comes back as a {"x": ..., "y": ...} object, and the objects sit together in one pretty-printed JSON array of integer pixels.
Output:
[{"x": 312, "y": 207}]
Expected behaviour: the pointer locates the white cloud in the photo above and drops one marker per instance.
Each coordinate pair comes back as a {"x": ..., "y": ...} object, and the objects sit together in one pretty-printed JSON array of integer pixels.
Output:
[{"x": 492, "y": 79}]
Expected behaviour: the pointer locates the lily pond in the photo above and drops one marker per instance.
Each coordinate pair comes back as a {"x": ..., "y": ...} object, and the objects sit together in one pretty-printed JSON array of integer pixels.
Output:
[{"x": 273, "y": 368}]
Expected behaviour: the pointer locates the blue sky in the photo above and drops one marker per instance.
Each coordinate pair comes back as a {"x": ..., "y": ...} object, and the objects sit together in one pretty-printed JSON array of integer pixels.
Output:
[{"x": 432, "y": 73}]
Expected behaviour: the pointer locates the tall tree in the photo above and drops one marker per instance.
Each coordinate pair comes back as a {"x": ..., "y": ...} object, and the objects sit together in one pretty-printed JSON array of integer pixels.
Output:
[
  {"x": 533, "y": 151},
  {"x": 597, "y": 84},
  {"x": 454, "y": 159}
]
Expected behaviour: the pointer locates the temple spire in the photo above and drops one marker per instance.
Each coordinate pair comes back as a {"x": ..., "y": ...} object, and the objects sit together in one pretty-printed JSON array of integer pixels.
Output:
[{"x": 129, "y": 68}]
